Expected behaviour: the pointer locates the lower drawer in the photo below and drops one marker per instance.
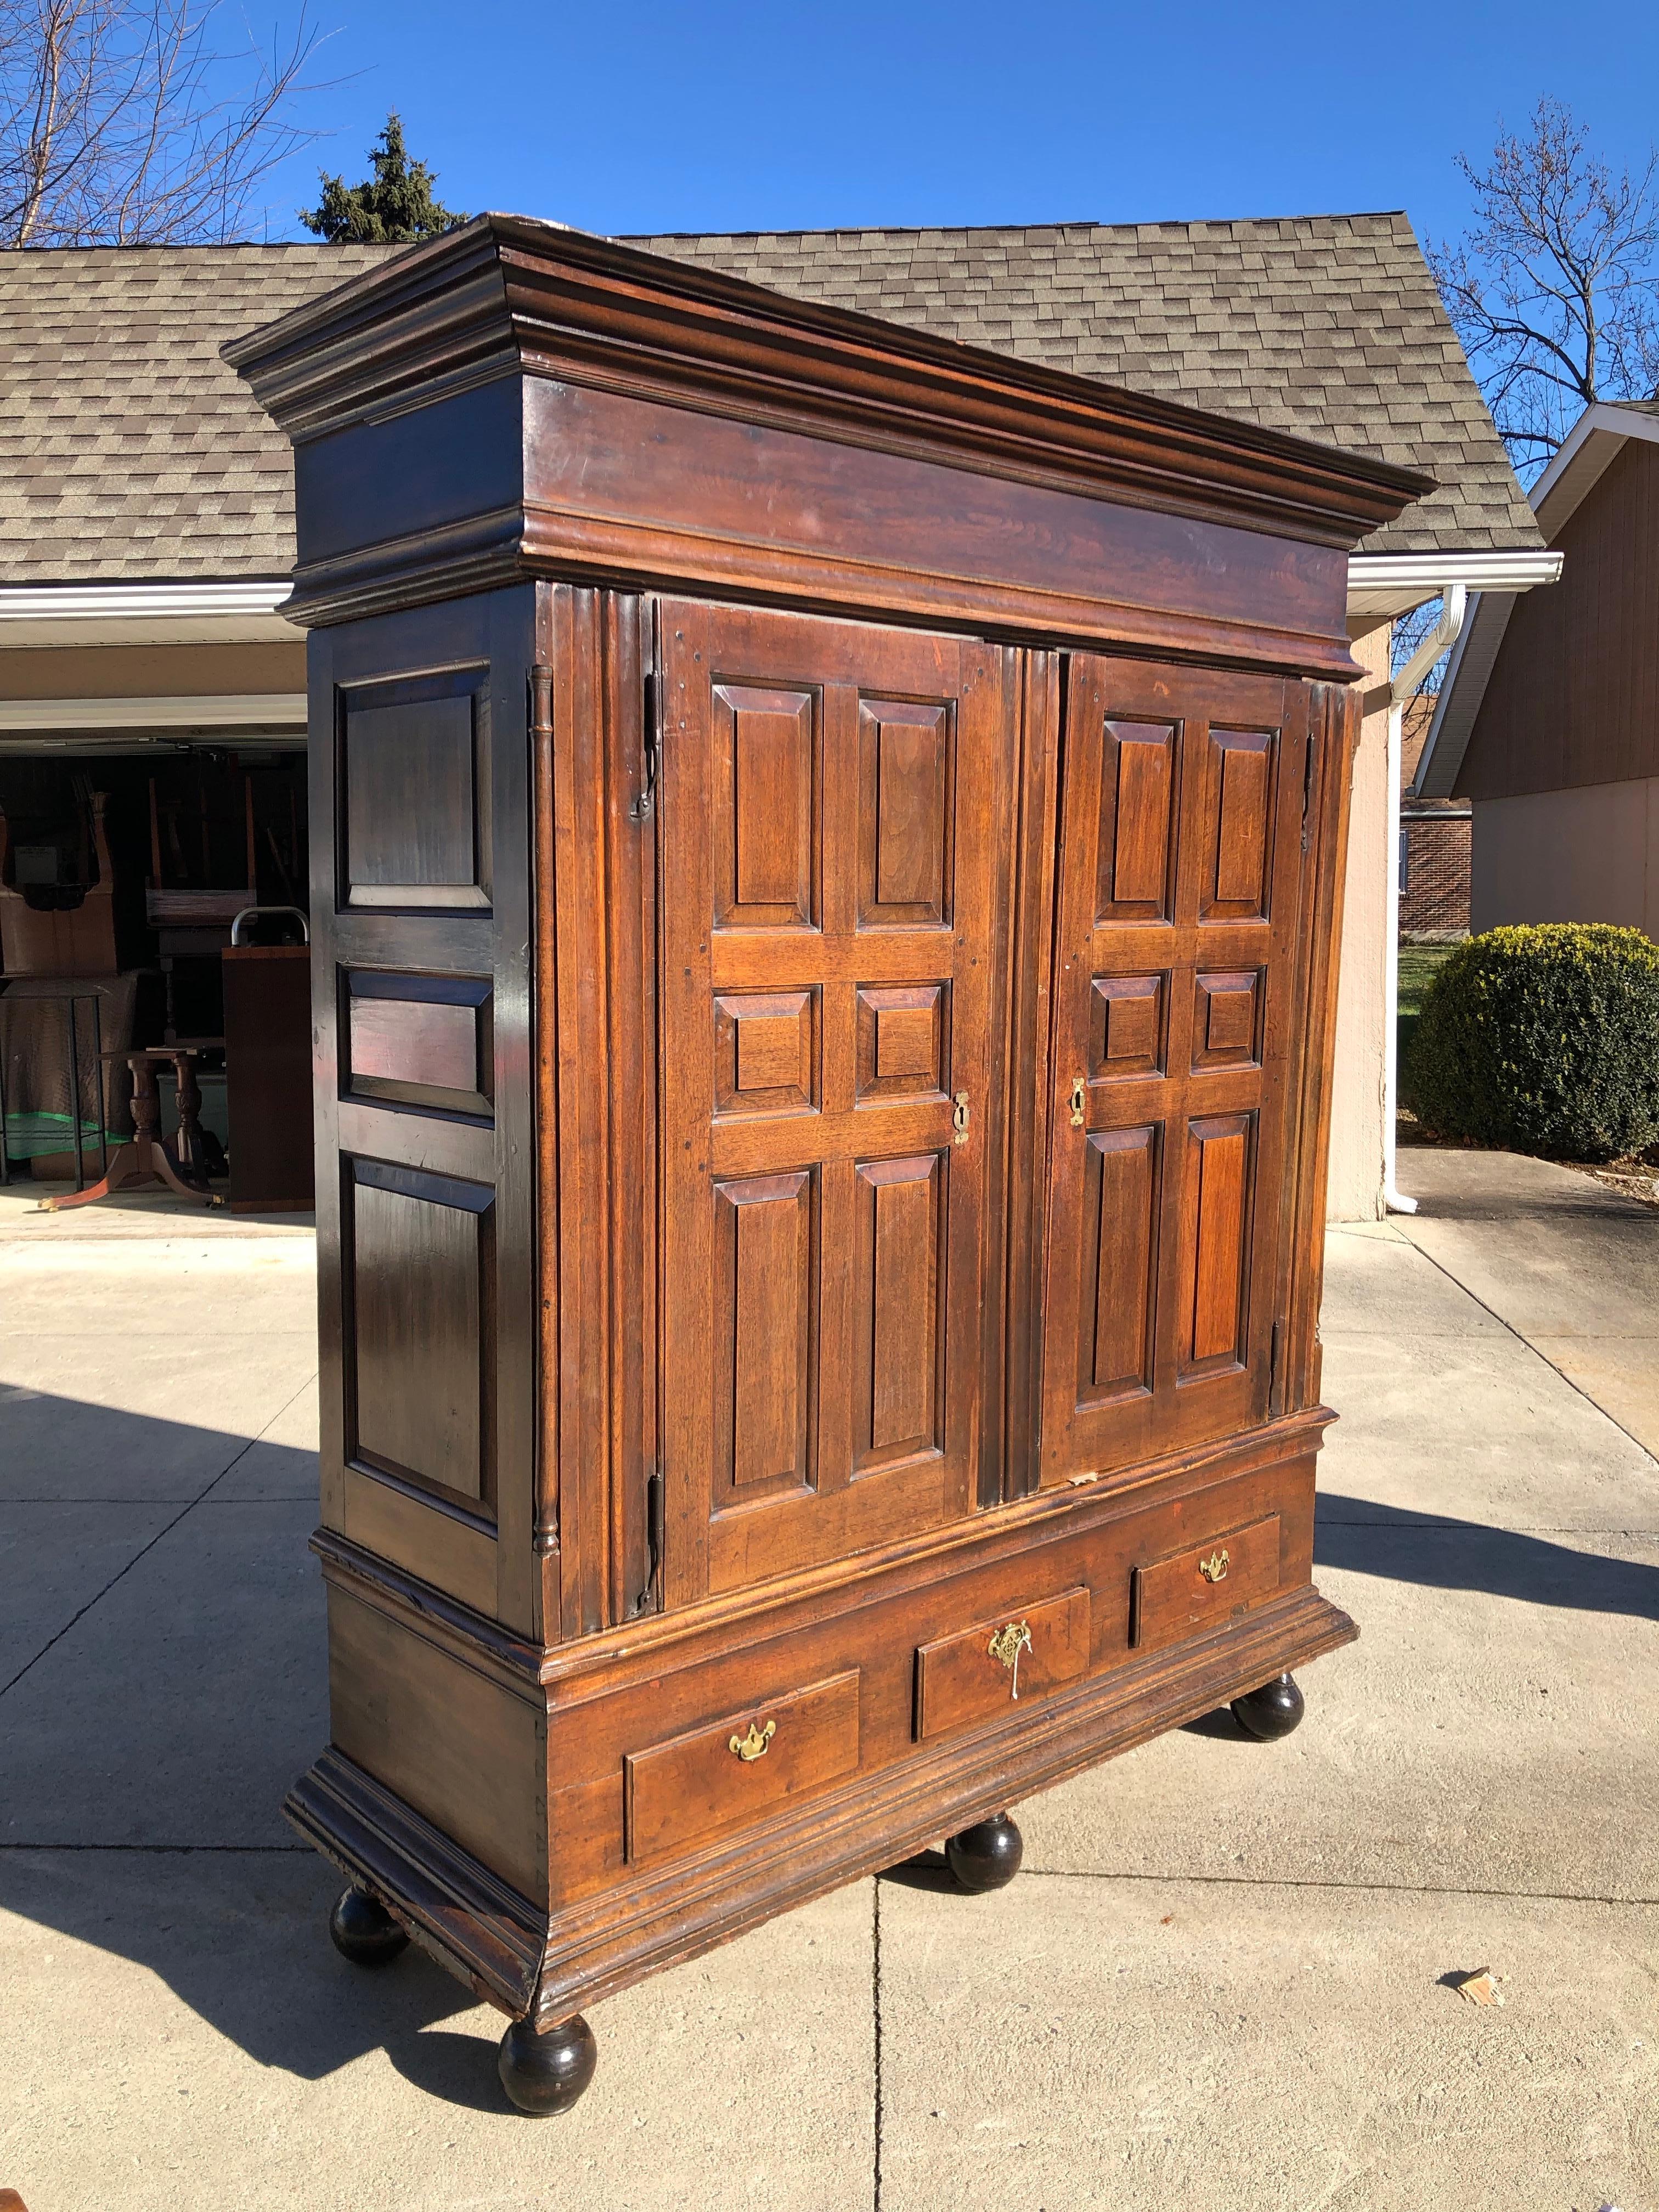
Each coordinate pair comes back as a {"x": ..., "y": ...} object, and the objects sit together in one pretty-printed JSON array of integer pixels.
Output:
[
  {"x": 1203, "y": 1585},
  {"x": 992, "y": 1667}
]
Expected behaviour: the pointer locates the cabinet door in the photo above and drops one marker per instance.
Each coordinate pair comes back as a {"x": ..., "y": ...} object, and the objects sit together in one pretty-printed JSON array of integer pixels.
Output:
[
  {"x": 833, "y": 816},
  {"x": 1180, "y": 842}
]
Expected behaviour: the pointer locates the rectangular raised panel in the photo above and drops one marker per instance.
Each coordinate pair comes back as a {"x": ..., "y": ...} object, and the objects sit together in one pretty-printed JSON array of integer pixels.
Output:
[
  {"x": 897, "y": 1313},
  {"x": 1241, "y": 765},
  {"x": 417, "y": 1041},
  {"x": 1226, "y": 1017},
  {"x": 901, "y": 1041},
  {"x": 904, "y": 813},
  {"x": 965, "y": 1677},
  {"x": 765, "y": 808},
  {"x": 1204, "y": 1585},
  {"x": 1137, "y": 818},
  {"x": 418, "y": 1250},
  {"x": 1216, "y": 1211},
  {"x": 1117, "y": 1300},
  {"x": 765, "y": 1053},
  {"x": 412, "y": 795},
  {"x": 677, "y": 1795},
  {"x": 1126, "y": 1026},
  {"x": 763, "y": 1330}
]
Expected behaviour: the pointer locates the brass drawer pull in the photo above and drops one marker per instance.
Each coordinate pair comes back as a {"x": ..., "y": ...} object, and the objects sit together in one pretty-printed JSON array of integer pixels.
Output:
[
  {"x": 1006, "y": 1646},
  {"x": 1214, "y": 1569},
  {"x": 755, "y": 1744}
]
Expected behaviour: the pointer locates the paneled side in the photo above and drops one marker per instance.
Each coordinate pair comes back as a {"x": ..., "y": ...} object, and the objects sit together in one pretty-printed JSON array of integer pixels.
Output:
[
  {"x": 763, "y": 1348},
  {"x": 765, "y": 1053},
  {"x": 417, "y": 1040},
  {"x": 897, "y": 1311},
  {"x": 1240, "y": 789},
  {"x": 902, "y": 1044},
  {"x": 1216, "y": 1223},
  {"x": 905, "y": 812},
  {"x": 1138, "y": 776},
  {"x": 412, "y": 770},
  {"x": 1227, "y": 1020},
  {"x": 419, "y": 1250},
  {"x": 1117, "y": 1256},
  {"x": 765, "y": 840},
  {"x": 1126, "y": 1016}
]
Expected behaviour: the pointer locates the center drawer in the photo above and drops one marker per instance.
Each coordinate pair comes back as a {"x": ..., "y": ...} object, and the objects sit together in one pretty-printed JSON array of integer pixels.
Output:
[{"x": 1001, "y": 1663}]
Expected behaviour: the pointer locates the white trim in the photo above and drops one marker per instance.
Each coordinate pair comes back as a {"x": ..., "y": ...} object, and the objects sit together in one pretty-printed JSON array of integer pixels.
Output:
[
  {"x": 1574, "y": 472},
  {"x": 1383, "y": 586},
  {"x": 225, "y": 710},
  {"x": 145, "y": 614}
]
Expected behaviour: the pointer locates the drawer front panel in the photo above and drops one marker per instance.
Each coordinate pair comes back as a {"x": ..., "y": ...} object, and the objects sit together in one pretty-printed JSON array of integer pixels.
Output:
[
  {"x": 1204, "y": 1585},
  {"x": 720, "y": 1777},
  {"x": 1014, "y": 1658}
]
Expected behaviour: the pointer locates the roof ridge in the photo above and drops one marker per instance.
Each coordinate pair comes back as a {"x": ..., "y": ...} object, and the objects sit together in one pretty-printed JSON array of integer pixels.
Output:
[{"x": 1078, "y": 223}]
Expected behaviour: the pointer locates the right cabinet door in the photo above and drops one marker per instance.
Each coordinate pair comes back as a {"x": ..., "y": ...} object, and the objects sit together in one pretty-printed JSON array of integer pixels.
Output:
[{"x": 1182, "y": 797}]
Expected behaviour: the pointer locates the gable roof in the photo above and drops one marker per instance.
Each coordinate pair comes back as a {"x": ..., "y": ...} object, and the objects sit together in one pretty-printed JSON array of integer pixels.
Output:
[
  {"x": 129, "y": 450},
  {"x": 1327, "y": 326}
]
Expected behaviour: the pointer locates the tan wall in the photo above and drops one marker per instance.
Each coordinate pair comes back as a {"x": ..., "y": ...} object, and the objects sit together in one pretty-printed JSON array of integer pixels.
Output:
[
  {"x": 1355, "y": 1189},
  {"x": 1588, "y": 854},
  {"x": 149, "y": 671}
]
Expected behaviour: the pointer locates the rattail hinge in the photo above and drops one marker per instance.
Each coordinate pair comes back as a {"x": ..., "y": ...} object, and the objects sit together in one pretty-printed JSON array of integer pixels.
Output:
[{"x": 650, "y": 745}]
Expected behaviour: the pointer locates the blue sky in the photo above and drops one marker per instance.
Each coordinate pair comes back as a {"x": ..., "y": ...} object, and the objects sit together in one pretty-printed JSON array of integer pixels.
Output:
[{"x": 737, "y": 116}]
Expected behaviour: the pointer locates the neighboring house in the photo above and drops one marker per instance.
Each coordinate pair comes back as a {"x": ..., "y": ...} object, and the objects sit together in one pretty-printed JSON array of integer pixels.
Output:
[
  {"x": 145, "y": 506},
  {"x": 1547, "y": 726},
  {"x": 1434, "y": 844}
]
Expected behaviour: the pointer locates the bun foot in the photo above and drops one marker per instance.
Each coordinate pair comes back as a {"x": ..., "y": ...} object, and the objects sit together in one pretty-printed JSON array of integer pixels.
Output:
[
  {"x": 1270, "y": 1712},
  {"x": 986, "y": 1855},
  {"x": 547, "y": 2073},
  {"x": 363, "y": 1931}
]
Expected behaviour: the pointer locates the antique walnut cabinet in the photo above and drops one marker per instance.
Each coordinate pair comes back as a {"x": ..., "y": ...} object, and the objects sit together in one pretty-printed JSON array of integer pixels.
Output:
[{"x": 829, "y": 849}]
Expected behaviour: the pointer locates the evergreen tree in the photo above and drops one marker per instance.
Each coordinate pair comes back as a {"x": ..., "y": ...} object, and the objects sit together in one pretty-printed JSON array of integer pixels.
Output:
[{"x": 395, "y": 207}]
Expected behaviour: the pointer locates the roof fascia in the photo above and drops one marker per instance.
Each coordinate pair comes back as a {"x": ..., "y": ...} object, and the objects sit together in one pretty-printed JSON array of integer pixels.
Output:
[
  {"x": 230, "y": 710},
  {"x": 197, "y": 613},
  {"x": 1582, "y": 457}
]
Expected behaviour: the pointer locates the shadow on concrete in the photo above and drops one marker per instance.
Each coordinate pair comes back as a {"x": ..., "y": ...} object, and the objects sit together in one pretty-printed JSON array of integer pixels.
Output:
[{"x": 1437, "y": 1552}]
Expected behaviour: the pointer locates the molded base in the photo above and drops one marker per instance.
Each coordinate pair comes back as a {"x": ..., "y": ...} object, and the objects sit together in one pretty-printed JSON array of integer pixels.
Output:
[
  {"x": 1270, "y": 1712},
  {"x": 547, "y": 2073},
  {"x": 363, "y": 1931},
  {"x": 986, "y": 1855}
]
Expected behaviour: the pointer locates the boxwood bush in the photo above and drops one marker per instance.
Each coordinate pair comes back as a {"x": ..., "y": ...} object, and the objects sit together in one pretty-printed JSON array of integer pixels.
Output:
[{"x": 1542, "y": 1039}]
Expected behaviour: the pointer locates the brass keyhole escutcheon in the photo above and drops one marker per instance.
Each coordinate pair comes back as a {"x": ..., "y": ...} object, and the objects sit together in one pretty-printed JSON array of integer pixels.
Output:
[
  {"x": 1080, "y": 1093},
  {"x": 1214, "y": 1569},
  {"x": 755, "y": 1744},
  {"x": 961, "y": 1113},
  {"x": 1006, "y": 1646}
]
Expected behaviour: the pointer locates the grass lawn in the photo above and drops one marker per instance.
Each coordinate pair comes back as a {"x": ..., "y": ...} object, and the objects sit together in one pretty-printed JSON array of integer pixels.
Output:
[{"x": 1419, "y": 966}]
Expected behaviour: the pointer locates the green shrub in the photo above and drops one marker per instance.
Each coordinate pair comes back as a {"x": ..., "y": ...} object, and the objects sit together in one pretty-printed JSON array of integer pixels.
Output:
[{"x": 1542, "y": 1039}]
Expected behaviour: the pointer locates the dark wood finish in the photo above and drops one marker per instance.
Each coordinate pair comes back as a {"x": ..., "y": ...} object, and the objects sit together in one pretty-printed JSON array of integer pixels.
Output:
[
  {"x": 986, "y": 1856},
  {"x": 267, "y": 991},
  {"x": 823, "y": 1081},
  {"x": 364, "y": 1931},
  {"x": 545, "y": 2070},
  {"x": 1272, "y": 1712}
]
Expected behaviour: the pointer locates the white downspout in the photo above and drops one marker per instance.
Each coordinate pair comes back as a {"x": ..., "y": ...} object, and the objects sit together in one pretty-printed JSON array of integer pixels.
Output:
[{"x": 1439, "y": 639}]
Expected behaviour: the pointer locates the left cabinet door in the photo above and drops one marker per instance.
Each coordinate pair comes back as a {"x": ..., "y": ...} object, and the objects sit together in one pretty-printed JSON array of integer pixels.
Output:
[{"x": 832, "y": 841}]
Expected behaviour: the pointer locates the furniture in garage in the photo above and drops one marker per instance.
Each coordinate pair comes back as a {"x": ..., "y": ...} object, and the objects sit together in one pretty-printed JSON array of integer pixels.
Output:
[
  {"x": 267, "y": 1002},
  {"x": 828, "y": 849}
]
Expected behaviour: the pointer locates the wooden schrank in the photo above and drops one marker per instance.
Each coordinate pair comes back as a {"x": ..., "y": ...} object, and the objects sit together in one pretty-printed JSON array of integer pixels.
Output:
[{"x": 828, "y": 873}]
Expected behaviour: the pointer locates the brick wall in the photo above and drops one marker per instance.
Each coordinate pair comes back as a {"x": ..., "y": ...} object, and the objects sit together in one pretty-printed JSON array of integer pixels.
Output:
[{"x": 1434, "y": 891}]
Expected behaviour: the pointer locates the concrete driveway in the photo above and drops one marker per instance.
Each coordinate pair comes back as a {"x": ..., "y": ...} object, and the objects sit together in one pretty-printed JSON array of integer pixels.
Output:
[{"x": 1217, "y": 1985}]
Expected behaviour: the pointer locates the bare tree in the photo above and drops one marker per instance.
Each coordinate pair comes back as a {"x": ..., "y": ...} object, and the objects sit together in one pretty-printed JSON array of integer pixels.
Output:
[
  {"x": 1554, "y": 288},
  {"x": 122, "y": 123}
]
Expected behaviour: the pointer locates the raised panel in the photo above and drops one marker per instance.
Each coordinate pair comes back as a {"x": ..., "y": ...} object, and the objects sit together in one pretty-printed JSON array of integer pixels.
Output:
[
  {"x": 904, "y": 813},
  {"x": 418, "y": 1257},
  {"x": 1126, "y": 1016},
  {"x": 1137, "y": 821},
  {"x": 896, "y": 1335},
  {"x": 765, "y": 1053},
  {"x": 902, "y": 1044},
  {"x": 413, "y": 800},
  {"x": 762, "y": 1333},
  {"x": 417, "y": 1040},
  {"x": 765, "y": 808},
  {"x": 1240, "y": 794},
  {"x": 1226, "y": 1020},
  {"x": 1118, "y": 1251},
  {"x": 1215, "y": 1221}
]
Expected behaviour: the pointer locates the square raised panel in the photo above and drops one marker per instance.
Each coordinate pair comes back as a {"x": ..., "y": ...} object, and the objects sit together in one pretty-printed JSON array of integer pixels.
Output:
[
  {"x": 765, "y": 1052},
  {"x": 765, "y": 808},
  {"x": 904, "y": 813},
  {"x": 1138, "y": 776},
  {"x": 1226, "y": 1017},
  {"x": 902, "y": 1041},
  {"x": 1239, "y": 805},
  {"x": 1126, "y": 1026},
  {"x": 417, "y": 1041},
  {"x": 412, "y": 768}
]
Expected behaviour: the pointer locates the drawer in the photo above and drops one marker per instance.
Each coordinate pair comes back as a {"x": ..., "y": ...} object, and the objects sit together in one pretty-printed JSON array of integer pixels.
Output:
[
  {"x": 1015, "y": 1657},
  {"x": 722, "y": 1777},
  {"x": 1204, "y": 1585}
]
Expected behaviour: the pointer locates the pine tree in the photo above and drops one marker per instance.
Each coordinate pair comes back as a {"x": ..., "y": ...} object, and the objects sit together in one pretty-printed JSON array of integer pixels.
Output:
[{"x": 395, "y": 207}]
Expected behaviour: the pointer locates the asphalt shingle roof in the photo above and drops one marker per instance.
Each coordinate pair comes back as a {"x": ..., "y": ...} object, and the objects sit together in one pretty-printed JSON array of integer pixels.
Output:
[{"x": 129, "y": 450}]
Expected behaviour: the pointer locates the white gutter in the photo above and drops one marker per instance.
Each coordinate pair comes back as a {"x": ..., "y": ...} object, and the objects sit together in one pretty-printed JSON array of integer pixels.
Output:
[
  {"x": 142, "y": 614},
  {"x": 1445, "y": 633}
]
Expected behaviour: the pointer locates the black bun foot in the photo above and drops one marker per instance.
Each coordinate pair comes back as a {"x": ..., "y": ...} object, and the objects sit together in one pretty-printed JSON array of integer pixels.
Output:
[
  {"x": 547, "y": 2073},
  {"x": 1270, "y": 1712},
  {"x": 363, "y": 1931},
  {"x": 986, "y": 1855}
]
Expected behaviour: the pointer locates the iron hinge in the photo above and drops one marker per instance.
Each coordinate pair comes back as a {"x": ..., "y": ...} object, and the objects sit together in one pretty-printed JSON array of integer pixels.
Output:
[
  {"x": 650, "y": 1598},
  {"x": 650, "y": 746},
  {"x": 1307, "y": 789}
]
